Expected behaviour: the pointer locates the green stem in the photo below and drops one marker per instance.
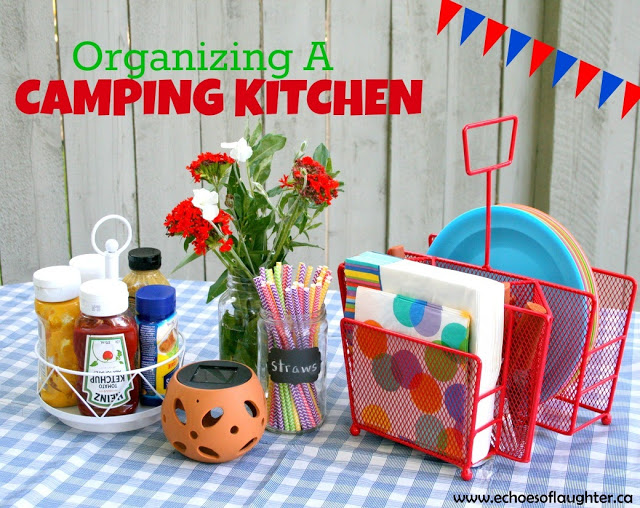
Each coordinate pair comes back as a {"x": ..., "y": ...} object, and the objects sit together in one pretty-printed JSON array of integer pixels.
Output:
[
  {"x": 233, "y": 254},
  {"x": 249, "y": 179},
  {"x": 285, "y": 228},
  {"x": 246, "y": 250},
  {"x": 241, "y": 240}
]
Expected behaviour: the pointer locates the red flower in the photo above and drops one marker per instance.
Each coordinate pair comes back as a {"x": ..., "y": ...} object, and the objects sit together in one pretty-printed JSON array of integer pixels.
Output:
[
  {"x": 209, "y": 166},
  {"x": 284, "y": 182},
  {"x": 222, "y": 217},
  {"x": 226, "y": 244},
  {"x": 320, "y": 186},
  {"x": 186, "y": 220}
]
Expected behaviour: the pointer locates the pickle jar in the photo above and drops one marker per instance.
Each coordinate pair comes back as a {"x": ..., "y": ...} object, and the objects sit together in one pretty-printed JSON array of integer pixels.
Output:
[
  {"x": 57, "y": 307},
  {"x": 292, "y": 369}
]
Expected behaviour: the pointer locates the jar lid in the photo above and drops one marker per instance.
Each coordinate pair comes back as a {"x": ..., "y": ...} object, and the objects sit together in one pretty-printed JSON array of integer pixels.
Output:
[
  {"x": 155, "y": 301},
  {"x": 145, "y": 258},
  {"x": 103, "y": 297},
  {"x": 91, "y": 266},
  {"x": 56, "y": 284}
]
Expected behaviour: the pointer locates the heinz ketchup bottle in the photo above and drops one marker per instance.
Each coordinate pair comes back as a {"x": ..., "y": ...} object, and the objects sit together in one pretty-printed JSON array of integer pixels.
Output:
[{"x": 105, "y": 340}]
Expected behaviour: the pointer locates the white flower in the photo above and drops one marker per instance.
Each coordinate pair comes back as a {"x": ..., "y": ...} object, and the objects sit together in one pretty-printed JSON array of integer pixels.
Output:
[
  {"x": 207, "y": 201},
  {"x": 240, "y": 150}
]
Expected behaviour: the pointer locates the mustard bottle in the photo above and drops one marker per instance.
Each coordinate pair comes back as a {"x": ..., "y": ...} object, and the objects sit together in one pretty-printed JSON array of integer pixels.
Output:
[
  {"x": 57, "y": 306},
  {"x": 144, "y": 263}
]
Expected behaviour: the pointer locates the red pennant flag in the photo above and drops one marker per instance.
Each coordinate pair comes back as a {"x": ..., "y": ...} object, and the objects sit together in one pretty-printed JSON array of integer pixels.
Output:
[
  {"x": 495, "y": 30},
  {"x": 586, "y": 73},
  {"x": 540, "y": 53},
  {"x": 631, "y": 97},
  {"x": 448, "y": 10}
]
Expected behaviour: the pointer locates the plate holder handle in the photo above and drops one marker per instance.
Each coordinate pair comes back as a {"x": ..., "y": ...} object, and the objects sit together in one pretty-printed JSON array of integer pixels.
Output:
[{"x": 488, "y": 170}]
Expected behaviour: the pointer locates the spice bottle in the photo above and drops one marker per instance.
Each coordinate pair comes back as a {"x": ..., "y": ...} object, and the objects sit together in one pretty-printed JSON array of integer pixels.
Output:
[
  {"x": 57, "y": 307},
  {"x": 144, "y": 264},
  {"x": 105, "y": 340},
  {"x": 158, "y": 333}
]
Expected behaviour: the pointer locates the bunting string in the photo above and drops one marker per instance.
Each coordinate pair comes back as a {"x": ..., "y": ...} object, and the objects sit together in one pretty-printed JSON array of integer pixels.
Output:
[{"x": 518, "y": 41}]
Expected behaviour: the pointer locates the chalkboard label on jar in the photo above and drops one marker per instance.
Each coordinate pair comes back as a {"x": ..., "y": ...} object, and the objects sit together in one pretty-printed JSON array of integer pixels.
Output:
[{"x": 294, "y": 366}]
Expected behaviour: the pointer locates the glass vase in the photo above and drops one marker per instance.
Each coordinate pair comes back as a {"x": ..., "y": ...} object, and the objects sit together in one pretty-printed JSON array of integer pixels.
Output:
[
  {"x": 238, "y": 313},
  {"x": 292, "y": 368}
]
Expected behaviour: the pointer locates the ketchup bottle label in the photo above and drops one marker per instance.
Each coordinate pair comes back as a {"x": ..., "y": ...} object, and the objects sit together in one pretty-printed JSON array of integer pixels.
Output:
[{"x": 106, "y": 361}]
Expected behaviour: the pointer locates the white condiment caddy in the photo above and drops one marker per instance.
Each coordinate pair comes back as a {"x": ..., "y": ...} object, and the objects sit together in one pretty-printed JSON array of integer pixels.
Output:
[{"x": 71, "y": 416}]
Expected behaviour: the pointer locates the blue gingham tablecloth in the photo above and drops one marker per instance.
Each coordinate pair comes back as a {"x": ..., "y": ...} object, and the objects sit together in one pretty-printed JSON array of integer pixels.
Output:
[{"x": 45, "y": 463}]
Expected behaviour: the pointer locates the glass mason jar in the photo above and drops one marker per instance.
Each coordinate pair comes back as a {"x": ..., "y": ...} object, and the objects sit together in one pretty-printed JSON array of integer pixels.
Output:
[
  {"x": 292, "y": 369},
  {"x": 238, "y": 312}
]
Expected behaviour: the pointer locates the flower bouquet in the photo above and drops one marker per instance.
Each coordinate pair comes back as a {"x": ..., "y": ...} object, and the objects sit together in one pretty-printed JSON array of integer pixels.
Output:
[{"x": 247, "y": 226}]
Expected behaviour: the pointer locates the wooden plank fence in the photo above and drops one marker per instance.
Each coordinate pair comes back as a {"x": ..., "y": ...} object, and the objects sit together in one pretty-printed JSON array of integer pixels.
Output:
[{"x": 404, "y": 175}]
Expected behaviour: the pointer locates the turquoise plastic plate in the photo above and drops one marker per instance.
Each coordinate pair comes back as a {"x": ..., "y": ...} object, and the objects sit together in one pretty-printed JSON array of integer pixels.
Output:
[
  {"x": 520, "y": 244},
  {"x": 523, "y": 244}
]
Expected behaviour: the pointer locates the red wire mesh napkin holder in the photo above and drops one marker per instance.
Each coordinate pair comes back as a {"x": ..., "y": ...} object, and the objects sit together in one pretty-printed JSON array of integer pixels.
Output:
[
  {"x": 375, "y": 365},
  {"x": 518, "y": 407}
]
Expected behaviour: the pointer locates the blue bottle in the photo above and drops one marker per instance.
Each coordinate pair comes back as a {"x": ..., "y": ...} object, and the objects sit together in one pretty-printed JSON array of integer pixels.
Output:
[{"x": 158, "y": 335}]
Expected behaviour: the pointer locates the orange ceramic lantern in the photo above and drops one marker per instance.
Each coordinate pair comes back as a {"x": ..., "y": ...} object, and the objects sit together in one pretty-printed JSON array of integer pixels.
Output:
[{"x": 214, "y": 411}]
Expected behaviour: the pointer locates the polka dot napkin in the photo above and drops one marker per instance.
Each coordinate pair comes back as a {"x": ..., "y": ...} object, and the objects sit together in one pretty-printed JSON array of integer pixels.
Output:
[{"x": 416, "y": 318}]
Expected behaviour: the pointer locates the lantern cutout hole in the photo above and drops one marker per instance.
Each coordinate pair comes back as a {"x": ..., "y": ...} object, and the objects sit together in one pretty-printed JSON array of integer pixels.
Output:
[
  {"x": 251, "y": 408},
  {"x": 193, "y": 434},
  {"x": 180, "y": 446},
  {"x": 251, "y": 442},
  {"x": 181, "y": 414},
  {"x": 208, "y": 452},
  {"x": 212, "y": 417},
  {"x": 234, "y": 430}
]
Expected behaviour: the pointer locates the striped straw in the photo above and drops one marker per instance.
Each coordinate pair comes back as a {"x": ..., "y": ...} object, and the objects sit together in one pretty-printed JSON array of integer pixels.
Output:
[
  {"x": 279, "y": 316},
  {"x": 314, "y": 409},
  {"x": 288, "y": 296},
  {"x": 277, "y": 275},
  {"x": 308, "y": 274},
  {"x": 316, "y": 274},
  {"x": 287, "y": 271}
]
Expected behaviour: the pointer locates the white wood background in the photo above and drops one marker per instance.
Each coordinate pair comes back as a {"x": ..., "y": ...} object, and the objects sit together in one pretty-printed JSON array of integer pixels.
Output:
[{"x": 404, "y": 175}]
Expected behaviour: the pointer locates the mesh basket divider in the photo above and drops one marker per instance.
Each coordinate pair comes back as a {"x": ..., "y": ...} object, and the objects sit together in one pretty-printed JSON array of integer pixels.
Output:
[
  {"x": 505, "y": 368},
  {"x": 466, "y": 471},
  {"x": 347, "y": 351},
  {"x": 583, "y": 362},
  {"x": 518, "y": 408},
  {"x": 630, "y": 281},
  {"x": 615, "y": 376}
]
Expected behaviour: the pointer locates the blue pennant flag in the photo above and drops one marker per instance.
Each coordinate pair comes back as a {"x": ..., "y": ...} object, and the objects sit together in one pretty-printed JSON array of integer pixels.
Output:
[
  {"x": 564, "y": 61},
  {"x": 471, "y": 21},
  {"x": 517, "y": 42},
  {"x": 609, "y": 85}
]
